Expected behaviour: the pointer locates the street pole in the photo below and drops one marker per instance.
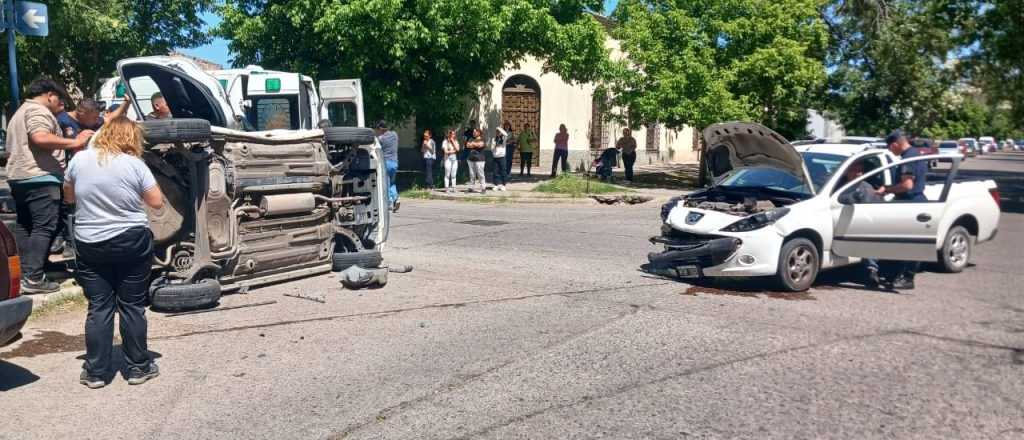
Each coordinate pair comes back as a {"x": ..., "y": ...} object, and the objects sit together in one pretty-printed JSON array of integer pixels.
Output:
[{"x": 12, "y": 54}]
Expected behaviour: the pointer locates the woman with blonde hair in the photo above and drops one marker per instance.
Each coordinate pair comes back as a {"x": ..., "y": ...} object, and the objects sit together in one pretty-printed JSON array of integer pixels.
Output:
[{"x": 109, "y": 185}]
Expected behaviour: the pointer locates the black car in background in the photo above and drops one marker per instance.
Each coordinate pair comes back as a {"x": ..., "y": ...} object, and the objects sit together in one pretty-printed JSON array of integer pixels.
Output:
[{"x": 14, "y": 308}]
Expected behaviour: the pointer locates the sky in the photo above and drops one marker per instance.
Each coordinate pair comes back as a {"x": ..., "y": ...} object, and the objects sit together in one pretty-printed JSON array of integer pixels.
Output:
[{"x": 217, "y": 51}]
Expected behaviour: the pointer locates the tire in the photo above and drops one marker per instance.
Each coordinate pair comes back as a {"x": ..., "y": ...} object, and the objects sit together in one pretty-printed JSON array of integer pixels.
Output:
[
  {"x": 799, "y": 264},
  {"x": 348, "y": 136},
  {"x": 956, "y": 250},
  {"x": 364, "y": 259},
  {"x": 169, "y": 131},
  {"x": 185, "y": 297}
]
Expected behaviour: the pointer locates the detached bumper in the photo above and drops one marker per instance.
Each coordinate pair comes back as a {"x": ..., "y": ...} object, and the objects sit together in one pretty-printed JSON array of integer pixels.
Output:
[{"x": 707, "y": 254}]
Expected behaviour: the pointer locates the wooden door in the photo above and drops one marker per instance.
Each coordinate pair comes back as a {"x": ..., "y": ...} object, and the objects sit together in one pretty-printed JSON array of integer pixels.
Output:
[{"x": 520, "y": 105}]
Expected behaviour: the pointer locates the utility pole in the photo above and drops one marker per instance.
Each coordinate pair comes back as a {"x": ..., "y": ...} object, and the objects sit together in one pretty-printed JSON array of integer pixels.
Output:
[{"x": 12, "y": 53}]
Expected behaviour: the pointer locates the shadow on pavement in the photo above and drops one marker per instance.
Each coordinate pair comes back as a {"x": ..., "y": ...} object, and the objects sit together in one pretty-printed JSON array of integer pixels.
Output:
[{"x": 13, "y": 376}]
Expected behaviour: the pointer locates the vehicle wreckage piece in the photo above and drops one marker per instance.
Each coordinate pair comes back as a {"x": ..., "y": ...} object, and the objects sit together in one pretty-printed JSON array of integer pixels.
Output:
[{"x": 356, "y": 277}]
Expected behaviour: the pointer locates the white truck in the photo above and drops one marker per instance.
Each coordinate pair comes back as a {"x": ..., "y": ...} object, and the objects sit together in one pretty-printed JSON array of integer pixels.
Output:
[{"x": 784, "y": 211}]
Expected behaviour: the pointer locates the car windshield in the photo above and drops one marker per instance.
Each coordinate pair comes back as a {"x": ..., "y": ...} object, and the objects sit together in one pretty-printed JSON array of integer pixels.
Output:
[{"x": 763, "y": 177}]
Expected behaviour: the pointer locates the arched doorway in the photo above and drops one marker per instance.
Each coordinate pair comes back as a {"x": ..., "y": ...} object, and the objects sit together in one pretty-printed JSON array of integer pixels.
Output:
[{"x": 520, "y": 105}]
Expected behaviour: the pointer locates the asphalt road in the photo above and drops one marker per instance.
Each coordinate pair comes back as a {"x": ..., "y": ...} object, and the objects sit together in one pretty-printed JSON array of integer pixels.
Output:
[{"x": 537, "y": 324}]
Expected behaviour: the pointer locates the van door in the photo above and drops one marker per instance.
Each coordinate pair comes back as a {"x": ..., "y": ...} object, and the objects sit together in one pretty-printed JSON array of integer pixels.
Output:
[
  {"x": 342, "y": 102},
  {"x": 189, "y": 91},
  {"x": 274, "y": 101}
]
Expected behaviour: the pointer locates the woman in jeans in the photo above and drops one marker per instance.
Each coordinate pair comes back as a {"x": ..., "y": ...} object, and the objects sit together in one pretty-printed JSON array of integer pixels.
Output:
[
  {"x": 500, "y": 150},
  {"x": 429, "y": 150},
  {"x": 110, "y": 185},
  {"x": 451, "y": 161},
  {"x": 477, "y": 161}
]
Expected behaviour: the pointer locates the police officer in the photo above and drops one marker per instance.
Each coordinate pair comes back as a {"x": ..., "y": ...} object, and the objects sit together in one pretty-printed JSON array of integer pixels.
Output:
[{"x": 909, "y": 182}]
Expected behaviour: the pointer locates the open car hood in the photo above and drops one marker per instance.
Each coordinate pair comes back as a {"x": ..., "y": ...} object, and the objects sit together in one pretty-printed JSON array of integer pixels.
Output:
[
  {"x": 189, "y": 91},
  {"x": 732, "y": 145}
]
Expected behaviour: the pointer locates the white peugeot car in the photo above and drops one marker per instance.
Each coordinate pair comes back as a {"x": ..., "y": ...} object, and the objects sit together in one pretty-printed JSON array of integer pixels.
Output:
[{"x": 776, "y": 211}]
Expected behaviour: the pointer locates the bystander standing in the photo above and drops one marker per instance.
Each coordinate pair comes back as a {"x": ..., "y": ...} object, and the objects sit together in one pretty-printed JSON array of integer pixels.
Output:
[
  {"x": 527, "y": 142},
  {"x": 109, "y": 184},
  {"x": 499, "y": 150},
  {"x": 561, "y": 150},
  {"x": 627, "y": 146},
  {"x": 510, "y": 148},
  {"x": 429, "y": 149},
  {"x": 35, "y": 171},
  {"x": 477, "y": 161},
  {"x": 388, "y": 140},
  {"x": 451, "y": 161}
]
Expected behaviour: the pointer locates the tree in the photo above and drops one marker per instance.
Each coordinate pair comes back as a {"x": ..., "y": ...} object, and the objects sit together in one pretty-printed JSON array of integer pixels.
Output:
[
  {"x": 88, "y": 37},
  {"x": 700, "y": 62},
  {"x": 997, "y": 63},
  {"x": 421, "y": 58},
  {"x": 891, "y": 62}
]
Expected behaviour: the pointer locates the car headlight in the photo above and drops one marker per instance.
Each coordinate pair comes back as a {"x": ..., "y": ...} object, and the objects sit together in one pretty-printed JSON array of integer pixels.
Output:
[
  {"x": 668, "y": 207},
  {"x": 757, "y": 221}
]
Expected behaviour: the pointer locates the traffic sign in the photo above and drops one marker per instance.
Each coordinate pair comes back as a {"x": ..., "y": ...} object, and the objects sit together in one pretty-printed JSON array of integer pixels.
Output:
[{"x": 30, "y": 19}]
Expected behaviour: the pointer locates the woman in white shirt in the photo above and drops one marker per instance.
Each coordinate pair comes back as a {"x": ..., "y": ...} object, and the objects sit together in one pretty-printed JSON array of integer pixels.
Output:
[
  {"x": 499, "y": 150},
  {"x": 451, "y": 160},
  {"x": 429, "y": 150}
]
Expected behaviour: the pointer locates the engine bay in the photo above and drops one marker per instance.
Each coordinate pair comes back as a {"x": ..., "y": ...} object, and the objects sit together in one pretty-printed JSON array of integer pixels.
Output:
[{"x": 738, "y": 202}]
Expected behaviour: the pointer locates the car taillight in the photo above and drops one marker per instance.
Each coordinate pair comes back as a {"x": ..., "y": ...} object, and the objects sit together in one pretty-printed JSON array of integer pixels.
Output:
[
  {"x": 995, "y": 196},
  {"x": 14, "y": 269}
]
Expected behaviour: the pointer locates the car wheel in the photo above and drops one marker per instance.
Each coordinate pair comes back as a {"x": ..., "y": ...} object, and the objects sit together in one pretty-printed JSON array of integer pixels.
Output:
[
  {"x": 184, "y": 297},
  {"x": 798, "y": 265},
  {"x": 348, "y": 136},
  {"x": 956, "y": 250},
  {"x": 364, "y": 259},
  {"x": 169, "y": 131}
]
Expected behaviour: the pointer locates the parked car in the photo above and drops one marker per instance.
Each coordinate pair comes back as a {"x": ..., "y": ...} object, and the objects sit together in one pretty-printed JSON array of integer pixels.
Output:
[
  {"x": 245, "y": 208},
  {"x": 14, "y": 308},
  {"x": 1019, "y": 145},
  {"x": 988, "y": 144},
  {"x": 952, "y": 149},
  {"x": 1008, "y": 145},
  {"x": 970, "y": 146},
  {"x": 776, "y": 211}
]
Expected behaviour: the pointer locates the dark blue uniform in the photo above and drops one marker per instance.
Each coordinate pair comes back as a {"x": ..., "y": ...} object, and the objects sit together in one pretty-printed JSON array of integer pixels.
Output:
[
  {"x": 919, "y": 171},
  {"x": 70, "y": 128}
]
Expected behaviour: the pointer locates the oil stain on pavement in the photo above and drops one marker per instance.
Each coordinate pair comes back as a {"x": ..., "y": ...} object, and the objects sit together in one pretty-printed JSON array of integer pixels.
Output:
[{"x": 46, "y": 342}]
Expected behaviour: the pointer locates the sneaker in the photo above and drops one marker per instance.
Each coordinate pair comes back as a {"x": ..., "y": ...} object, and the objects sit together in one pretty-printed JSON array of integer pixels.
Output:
[
  {"x": 30, "y": 287},
  {"x": 93, "y": 382},
  {"x": 903, "y": 282},
  {"x": 138, "y": 376}
]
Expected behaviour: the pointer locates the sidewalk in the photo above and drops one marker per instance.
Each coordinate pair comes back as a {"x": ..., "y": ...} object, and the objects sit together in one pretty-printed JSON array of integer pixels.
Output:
[{"x": 659, "y": 182}]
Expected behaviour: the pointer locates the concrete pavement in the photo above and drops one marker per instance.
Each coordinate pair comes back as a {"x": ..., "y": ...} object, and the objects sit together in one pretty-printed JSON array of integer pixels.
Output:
[{"x": 537, "y": 324}]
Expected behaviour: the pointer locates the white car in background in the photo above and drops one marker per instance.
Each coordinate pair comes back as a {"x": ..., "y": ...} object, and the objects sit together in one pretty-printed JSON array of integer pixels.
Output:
[
  {"x": 774, "y": 210},
  {"x": 988, "y": 144},
  {"x": 952, "y": 149}
]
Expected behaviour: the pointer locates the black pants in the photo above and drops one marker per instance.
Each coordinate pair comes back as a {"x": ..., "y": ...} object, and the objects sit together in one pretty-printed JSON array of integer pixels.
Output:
[
  {"x": 115, "y": 275},
  {"x": 500, "y": 173},
  {"x": 628, "y": 160},
  {"x": 525, "y": 161},
  {"x": 562, "y": 155},
  {"x": 510, "y": 152},
  {"x": 38, "y": 221},
  {"x": 428, "y": 172}
]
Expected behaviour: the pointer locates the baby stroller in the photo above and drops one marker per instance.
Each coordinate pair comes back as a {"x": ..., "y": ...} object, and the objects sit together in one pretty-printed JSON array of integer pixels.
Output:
[{"x": 604, "y": 164}]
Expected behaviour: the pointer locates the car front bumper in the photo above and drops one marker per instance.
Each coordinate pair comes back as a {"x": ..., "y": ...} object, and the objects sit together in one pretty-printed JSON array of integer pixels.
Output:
[
  {"x": 749, "y": 254},
  {"x": 13, "y": 314}
]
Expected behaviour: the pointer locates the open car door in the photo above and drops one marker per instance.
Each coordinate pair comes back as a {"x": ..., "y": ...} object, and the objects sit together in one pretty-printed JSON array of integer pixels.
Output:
[
  {"x": 189, "y": 91},
  {"x": 890, "y": 230},
  {"x": 342, "y": 102}
]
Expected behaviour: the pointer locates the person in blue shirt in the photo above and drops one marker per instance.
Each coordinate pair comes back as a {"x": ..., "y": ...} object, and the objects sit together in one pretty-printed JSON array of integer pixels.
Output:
[
  {"x": 85, "y": 116},
  {"x": 908, "y": 187}
]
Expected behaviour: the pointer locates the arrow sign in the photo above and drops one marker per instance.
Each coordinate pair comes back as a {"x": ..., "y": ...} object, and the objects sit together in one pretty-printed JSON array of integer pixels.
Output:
[{"x": 31, "y": 19}]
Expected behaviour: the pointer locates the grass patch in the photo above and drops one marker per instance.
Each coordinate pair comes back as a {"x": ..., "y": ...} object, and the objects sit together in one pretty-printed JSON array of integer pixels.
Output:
[
  {"x": 415, "y": 193},
  {"x": 577, "y": 186},
  {"x": 65, "y": 301}
]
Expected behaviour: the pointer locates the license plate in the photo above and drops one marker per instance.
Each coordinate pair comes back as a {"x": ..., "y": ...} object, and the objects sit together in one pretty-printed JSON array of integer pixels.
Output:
[{"x": 688, "y": 271}]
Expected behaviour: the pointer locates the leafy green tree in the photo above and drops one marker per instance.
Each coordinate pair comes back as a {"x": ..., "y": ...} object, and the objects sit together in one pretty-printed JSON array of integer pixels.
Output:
[
  {"x": 891, "y": 62},
  {"x": 88, "y": 37},
  {"x": 997, "y": 63},
  {"x": 700, "y": 62},
  {"x": 422, "y": 58}
]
